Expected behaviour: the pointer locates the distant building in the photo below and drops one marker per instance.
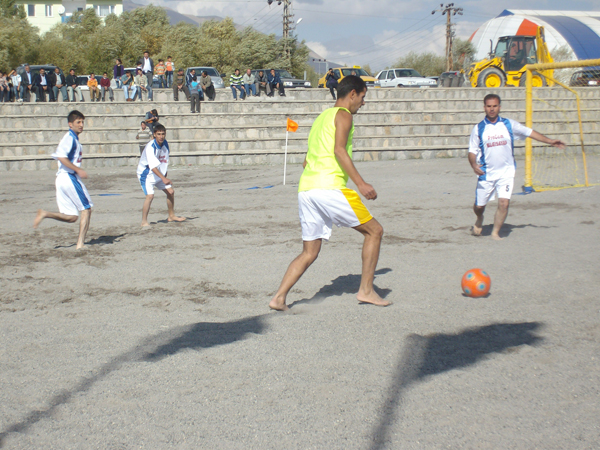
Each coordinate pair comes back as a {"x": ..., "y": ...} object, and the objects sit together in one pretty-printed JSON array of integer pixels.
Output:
[
  {"x": 577, "y": 30},
  {"x": 44, "y": 14}
]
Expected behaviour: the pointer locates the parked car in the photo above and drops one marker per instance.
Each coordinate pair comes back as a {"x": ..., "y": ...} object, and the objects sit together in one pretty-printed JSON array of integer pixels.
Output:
[
  {"x": 586, "y": 77},
  {"x": 215, "y": 76},
  {"x": 341, "y": 72},
  {"x": 451, "y": 79},
  {"x": 403, "y": 78},
  {"x": 288, "y": 80}
]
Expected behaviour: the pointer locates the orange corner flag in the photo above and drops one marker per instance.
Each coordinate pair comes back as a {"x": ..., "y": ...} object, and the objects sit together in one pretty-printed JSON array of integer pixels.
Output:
[{"x": 291, "y": 125}]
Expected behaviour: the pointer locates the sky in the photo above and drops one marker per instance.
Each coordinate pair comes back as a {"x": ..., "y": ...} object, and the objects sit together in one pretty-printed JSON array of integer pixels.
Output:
[{"x": 361, "y": 32}]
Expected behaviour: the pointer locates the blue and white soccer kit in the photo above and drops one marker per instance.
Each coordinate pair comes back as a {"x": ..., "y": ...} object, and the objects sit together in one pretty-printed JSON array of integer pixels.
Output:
[
  {"x": 71, "y": 194},
  {"x": 153, "y": 157},
  {"x": 493, "y": 144}
]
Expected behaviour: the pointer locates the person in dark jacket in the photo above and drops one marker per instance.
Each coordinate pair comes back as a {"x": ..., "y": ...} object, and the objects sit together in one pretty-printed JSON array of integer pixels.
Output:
[
  {"x": 331, "y": 81},
  {"x": 73, "y": 87},
  {"x": 42, "y": 85},
  {"x": 59, "y": 83},
  {"x": 276, "y": 83},
  {"x": 118, "y": 72}
]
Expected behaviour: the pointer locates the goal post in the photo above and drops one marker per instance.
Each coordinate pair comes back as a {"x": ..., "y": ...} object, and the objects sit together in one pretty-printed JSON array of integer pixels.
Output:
[{"x": 541, "y": 69}]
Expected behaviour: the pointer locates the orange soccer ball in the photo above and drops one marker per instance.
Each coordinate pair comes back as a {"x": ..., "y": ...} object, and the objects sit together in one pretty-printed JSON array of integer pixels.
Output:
[{"x": 476, "y": 283}]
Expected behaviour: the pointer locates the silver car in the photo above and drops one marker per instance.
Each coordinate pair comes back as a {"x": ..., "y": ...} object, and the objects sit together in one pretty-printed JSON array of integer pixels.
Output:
[
  {"x": 403, "y": 78},
  {"x": 214, "y": 75}
]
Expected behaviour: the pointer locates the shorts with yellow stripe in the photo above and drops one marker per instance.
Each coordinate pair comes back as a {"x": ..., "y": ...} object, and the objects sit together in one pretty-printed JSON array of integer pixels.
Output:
[{"x": 319, "y": 209}]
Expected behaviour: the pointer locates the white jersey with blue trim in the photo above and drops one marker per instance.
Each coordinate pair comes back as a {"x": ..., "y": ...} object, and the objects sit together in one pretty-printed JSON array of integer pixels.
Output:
[
  {"x": 153, "y": 157},
  {"x": 70, "y": 148},
  {"x": 494, "y": 145}
]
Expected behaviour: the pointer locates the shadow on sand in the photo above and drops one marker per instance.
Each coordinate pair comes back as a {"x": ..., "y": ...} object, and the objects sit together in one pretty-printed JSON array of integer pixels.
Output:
[
  {"x": 154, "y": 348},
  {"x": 344, "y": 284},
  {"x": 507, "y": 228},
  {"x": 426, "y": 356}
]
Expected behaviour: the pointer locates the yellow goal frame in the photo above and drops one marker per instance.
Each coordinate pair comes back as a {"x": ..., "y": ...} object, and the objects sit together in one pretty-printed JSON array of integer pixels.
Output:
[{"x": 529, "y": 110}]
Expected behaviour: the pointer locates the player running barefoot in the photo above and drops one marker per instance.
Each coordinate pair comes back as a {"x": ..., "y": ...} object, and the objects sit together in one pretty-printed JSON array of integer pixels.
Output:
[
  {"x": 152, "y": 172},
  {"x": 71, "y": 194},
  {"x": 491, "y": 155},
  {"x": 324, "y": 199}
]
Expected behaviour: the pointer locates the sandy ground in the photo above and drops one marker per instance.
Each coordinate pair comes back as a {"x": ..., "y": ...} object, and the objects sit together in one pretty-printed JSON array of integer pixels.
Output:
[{"x": 163, "y": 339}]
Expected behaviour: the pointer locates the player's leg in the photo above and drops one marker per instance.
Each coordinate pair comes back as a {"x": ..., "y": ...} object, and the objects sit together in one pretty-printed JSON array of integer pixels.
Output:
[
  {"x": 41, "y": 215},
  {"x": 504, "y": 188},
  {"x": 146, "y": 209},
  {"x": 310, "y": 252},
  {"x": 483, "y": 194},
  {"x": 171, "y": 205},
  {"x": 500, "y": 217},
  {"x": 84, "y": 225},
  {"x": 373, "y": 233}
]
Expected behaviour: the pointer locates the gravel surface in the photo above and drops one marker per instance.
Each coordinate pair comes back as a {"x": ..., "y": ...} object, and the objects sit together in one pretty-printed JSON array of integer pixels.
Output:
[{"x": 162, "y": 338}]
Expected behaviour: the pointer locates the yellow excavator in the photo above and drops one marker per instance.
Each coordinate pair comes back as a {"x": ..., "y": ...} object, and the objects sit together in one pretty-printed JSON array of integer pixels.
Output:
[{"x": 506, "y": 64}]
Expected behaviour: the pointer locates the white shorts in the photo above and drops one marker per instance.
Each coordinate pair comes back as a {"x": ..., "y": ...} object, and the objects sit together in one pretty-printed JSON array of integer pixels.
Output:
[
  {"x": 148, "y": 184},
  {"x": 319, "y": 209},
  {"x": 487, "y": 190},
  {"x": 71, "y": 194}
]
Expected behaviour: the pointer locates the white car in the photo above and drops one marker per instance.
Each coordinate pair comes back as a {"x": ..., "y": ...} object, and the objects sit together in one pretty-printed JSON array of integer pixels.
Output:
[{"x": 403, "y": 78}]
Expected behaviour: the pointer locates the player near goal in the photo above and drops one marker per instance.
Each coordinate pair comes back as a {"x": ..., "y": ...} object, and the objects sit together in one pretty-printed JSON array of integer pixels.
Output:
[
  {"x": 324, "y": 199},
  {"x": 71, "y": 194},
  {"x": 491, "y": 155}
]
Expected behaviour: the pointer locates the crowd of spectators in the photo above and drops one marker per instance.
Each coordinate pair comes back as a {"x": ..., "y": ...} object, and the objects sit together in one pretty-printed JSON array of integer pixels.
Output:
[
  {"x": 136, "y": 83},
  {"x": 251, "y": 84}
]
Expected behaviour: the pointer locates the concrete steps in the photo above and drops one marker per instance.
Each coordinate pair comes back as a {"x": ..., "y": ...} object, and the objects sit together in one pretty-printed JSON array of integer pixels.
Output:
[{"x": 393, "y": 124}]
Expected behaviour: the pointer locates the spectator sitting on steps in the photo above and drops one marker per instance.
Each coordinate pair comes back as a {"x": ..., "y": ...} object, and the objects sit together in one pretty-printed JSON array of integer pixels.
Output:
[
  {"x": 207, "y": 85},
  {"x": 276, "y": 83},
  {"x": 262, "y": 82},
  {"x": 151, "y": 119},
  {"x": 93, "y": 85},
  {"x": 144, "y": 135},
  {"x": 73, "y": 87},
  {"x": 105, "y": 86},
  {"x": 235, "y": 81},
  {"x": 141, "y": 84}
]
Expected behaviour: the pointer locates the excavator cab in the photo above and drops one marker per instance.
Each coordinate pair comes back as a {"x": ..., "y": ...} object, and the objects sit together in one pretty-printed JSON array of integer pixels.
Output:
[{"x": 516, "y": 52}]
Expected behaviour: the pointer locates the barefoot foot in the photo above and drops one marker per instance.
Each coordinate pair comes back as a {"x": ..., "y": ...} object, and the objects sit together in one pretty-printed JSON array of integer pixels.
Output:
[
  {"x": 145, "y": 224},
  {"x": 372, "y": 298},
  {"x": 278, "y": 304},
  {"x": 476, "y": 231},
  {"x": 176, "y": 219},
  {"x": 496, "y": 237},
  {"x": 41, "y": 215}
]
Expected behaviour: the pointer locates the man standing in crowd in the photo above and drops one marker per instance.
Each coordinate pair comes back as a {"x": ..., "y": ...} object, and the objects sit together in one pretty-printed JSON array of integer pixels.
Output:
[
  {"x": 59, "y": 83},
  {"x": 262, "y": 82},
  {"x": 180, "y": 85},
  {"x": 249, "y": 82},
  {"x": 148, "y": 70},
  {"x": 73, "y": 86},
  {"x": 160, "y": 70},
  {"x": 276, "y": 83},
  {"x": 170, "y": 66}
]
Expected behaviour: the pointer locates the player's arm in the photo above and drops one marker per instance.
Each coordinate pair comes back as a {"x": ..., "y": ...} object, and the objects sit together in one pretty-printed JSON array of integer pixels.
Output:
[
  {"x": 78, "y": 170},
  {"x": 546, "y": 140},
  {"x": 343, "y": 125},
  {"x": 474, "y": 142},
  {"x": 161, "y": 176}
]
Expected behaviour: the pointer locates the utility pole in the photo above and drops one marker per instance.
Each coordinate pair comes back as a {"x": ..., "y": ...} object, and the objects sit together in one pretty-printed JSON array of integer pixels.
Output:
[
  {"x": 449, "y": 10},
  {"x": 288, "y": 28}
]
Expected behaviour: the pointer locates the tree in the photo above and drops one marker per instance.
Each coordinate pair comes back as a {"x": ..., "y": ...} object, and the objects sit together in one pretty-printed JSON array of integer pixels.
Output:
[
  {"x": 427, "y": 64},
  {"x": 10, "y": 9},
  {"x": 463, "y": 52}
]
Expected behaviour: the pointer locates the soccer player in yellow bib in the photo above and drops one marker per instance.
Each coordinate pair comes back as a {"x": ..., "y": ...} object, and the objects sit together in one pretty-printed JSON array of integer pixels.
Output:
[{"x": 324, "y": 200}]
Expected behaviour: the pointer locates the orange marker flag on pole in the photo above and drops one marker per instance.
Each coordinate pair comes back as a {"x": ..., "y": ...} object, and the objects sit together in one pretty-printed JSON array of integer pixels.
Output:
[{"x": 293, "y": 127}]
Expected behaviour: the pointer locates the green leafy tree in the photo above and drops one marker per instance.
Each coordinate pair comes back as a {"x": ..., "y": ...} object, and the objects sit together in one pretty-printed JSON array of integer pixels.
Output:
[
  {"x": 463, "y": 52},
  {"x": 19, "y": 41},
  {"x": 427, "y": 64},
  {"x": 10, "y": 9}
]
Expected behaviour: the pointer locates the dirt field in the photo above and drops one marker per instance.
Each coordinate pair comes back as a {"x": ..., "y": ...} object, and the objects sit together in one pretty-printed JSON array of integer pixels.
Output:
[{"x": 162, "y": 338}]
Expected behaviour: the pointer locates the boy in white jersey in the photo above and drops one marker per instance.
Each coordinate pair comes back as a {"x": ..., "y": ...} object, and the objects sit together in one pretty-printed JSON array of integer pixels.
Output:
[
  {"x": 491, "y": 155},
  {"x": 71, "y": 194},
  {"x": 152, "y": 172},
  {"x": 324, "y": 199}
]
